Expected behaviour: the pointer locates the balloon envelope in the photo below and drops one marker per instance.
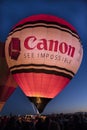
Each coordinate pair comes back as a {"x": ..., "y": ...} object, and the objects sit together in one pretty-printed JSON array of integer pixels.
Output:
[
  {"x": 43, "y": 53},
  {"x": 7, "y": 82}
]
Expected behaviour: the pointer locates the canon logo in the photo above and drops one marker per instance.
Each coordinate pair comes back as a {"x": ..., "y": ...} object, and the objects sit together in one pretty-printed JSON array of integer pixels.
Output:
[{"x": 32, "y": 42}]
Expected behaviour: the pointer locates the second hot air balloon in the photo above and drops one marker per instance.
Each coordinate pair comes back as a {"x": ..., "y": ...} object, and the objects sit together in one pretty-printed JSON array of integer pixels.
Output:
[
  {"x": 7, "y": 82},
  {"x": 43, "y": 53}
]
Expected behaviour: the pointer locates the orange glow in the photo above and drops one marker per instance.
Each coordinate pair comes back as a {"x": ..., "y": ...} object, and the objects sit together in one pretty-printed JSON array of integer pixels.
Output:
[
  {"x": 41, "y": 85},
  {"x": 43, "y": 53}
]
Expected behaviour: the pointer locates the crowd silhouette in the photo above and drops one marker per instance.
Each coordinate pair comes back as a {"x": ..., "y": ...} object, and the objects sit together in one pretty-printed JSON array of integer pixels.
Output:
[{"x": 74, "y": 121}]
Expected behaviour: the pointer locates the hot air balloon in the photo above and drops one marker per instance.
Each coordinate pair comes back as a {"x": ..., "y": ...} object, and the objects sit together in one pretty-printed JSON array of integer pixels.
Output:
[
  {"x": 43, "y": 53},
  {"x": 7, "y": 82}
]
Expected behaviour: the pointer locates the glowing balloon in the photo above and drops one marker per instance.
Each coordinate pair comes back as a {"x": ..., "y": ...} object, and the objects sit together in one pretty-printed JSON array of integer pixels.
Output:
[
  {"x": 7, "y": 83},
  {"x": 43, "y": 53}
]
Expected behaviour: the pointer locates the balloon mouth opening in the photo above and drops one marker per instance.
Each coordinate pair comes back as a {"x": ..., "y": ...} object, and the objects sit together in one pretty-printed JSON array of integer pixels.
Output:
[{"x": 39, "y": 102}]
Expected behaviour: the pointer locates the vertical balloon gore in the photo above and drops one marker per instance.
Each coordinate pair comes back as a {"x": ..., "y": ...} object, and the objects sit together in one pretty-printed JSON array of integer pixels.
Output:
[{"x": 43, "y": 53}]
